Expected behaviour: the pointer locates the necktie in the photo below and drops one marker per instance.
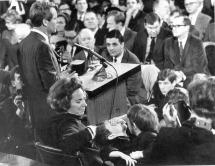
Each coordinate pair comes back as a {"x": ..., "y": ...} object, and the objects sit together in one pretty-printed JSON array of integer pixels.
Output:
[
  {"x": 114, "y": 59},
  {"x": 152, "y": 45},
  {"x": 181, "y": 49}
]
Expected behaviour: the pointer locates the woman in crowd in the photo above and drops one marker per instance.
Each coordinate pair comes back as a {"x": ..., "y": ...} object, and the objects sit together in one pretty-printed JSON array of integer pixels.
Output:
[{"x": 66, "y": 130}]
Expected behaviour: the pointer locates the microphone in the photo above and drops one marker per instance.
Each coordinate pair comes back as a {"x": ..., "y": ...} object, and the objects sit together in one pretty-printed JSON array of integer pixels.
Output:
[{"x": 102, "y": 59}]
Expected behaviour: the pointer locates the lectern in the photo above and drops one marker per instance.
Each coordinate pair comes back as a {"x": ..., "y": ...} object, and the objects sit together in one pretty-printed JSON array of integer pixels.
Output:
[{"x": 100, "y": 93}]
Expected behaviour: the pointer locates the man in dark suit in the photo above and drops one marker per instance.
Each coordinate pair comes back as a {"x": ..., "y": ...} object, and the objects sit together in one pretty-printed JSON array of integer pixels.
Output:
[
  {"x": 184, "y": 52},
  {"x": 117, "y": 53},
  {"x": 149, "y": 41},
  {"x": 116, "y": 20},
  {"x": 38, "y": 63}
]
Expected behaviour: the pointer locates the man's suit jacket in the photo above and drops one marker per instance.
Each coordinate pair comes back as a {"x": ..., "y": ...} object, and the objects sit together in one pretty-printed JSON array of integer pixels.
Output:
[
  {"x": 193, "y": 59},
  {"x": 39, "y": 74},
  {"x": 137, "y": 22},
  {"x": 129, "y": 37},
  {"x": 201, "y": 24},
  {"x": 210, "y": 33},
  {"x": 134, "y": 82},
  {"x": 140, "y": 45}
]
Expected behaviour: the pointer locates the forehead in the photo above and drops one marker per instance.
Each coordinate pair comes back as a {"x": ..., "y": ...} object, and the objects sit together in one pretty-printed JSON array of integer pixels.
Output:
[
  {"x": 86, "y": 34},
  {"x": 81, "y": 1},
  {"x": 78, "y": 93},
  {"x": 90, "y": 15},
  {"x": 190, "y": 1},
  {"x": 156, "y": 23},
  {"x": 53, "y": 12},
  {"x": 131, "y": 1},
  {"x": 112, "y": 40},
  {"x": 110, "y": 19},
  {"x": 164, "y": 81},
  {"x": 64, "y": 6},
  {"x": 177, "y": 20}
]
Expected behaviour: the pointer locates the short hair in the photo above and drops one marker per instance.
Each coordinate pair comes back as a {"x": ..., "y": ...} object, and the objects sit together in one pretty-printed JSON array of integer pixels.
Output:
[
  {"x": 167, "y": 73},
  {"x": 40, "y": 11},
  {"x": 136, "y": 1},
  {"x": 115, "y": 34},
  {"x": 65, "y": 16},
  {"x": 102, "y": 133},
  {"x": 15, "y": 69},
  {"x": 177, "y": 94},
  {"x": 144, "y": 117},
  {"x": 118, "y": 16},
  {"x": 61, "y": 92},
  {"x": 151, "y": 18},
  {"x": 202, "y": 97},
  {"x": 13, "y": 15}
]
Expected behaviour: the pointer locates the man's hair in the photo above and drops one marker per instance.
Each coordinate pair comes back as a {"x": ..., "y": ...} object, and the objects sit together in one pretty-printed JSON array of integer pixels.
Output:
[
  {"x": 202, "y": 97},
  {"x": 38, "y": 12},
  {"x": 151, "y": 18},
  {"x": 115, "y": 34},
  {"x": 102, "y": 133},
  {"x": 177, "y": 94},
  {"x": 61, "y": 92},
  {"x": 144, "y": 117},
  {"x": 14, "y": 70},
  {"x": 167, "y": 73},
  {"x": 119, "y": 16},
  {"x": 136, "y": 1}
]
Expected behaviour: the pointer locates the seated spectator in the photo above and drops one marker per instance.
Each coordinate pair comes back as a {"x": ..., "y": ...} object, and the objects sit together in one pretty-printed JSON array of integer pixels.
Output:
[
  {"x": 184, "y": 52},
  {"x": 116, "y": 21},
  {"x": 134, "y": 15},
  {"x": 194, "y": 141},
  {"x": 118, "y": 53},
  {"x": 197, "y": 18},
  {"x": 115, "y": 144},
  {"x": 148, "y": 45},
  {"x": 167, "y": 80},
  {"x": 66, "y": 130},
  {"x": 65, "y": 8}
]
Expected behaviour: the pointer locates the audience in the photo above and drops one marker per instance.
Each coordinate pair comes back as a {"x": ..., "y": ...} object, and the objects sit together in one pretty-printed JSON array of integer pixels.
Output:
[{"x": 167, "y": 37}]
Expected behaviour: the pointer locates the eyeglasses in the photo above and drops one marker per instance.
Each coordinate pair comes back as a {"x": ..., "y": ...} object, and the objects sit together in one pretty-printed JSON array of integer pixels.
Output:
[
  {"x": 191, "y": 3},
  {"x": 177, "y": 26}
]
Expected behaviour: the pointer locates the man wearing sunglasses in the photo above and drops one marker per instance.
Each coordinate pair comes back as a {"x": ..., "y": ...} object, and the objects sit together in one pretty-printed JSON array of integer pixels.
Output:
[{"x": 183, "y": 52}]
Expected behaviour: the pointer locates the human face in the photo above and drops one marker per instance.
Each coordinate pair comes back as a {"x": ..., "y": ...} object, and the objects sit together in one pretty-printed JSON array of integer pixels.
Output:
[
  {"x": 131, "y": 4},
  {"x": 60, "y": 25},
  {"x": 116, "y": 129},
  {"x": 17, "y": 82},
  {"x": 51, "y": 26},
  {"x": 153, "y": 30},
  {"x": 86, "y": 39},
  {"x": 65, "y": 9},
  {"x": 192, "y": 5},
  {"x": 114, "y": 47},
  {"x": 111, "y": 23},
  {"x": 91, "y": 21},
  {"x": 81, "y": 6},
  {"x": 165, "y": 86},
  {"x": 163, "y": 10},
  {"x": 78, "y": 102},
  {"x": 179, "y": 29}
]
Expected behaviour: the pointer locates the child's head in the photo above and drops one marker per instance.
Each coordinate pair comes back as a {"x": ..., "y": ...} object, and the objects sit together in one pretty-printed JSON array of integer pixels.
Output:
[
  {"x": 15, "y": 77},
  {"x": 141, "y": 118}
]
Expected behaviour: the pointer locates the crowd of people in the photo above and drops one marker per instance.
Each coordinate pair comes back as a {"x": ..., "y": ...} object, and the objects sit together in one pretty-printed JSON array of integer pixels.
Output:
[{"x": 171, "y": 100}]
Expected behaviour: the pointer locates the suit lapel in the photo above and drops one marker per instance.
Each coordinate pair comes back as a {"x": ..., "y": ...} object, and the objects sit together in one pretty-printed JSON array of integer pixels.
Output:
[
  {"x": 174, "y": 53},
  {"x": 125, "y": 57},
  {"x": 186, "y": 48}
]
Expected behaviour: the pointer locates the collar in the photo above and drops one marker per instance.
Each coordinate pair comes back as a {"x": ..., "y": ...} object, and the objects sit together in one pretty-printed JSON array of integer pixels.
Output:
[
  {"x": 122, "y": 31},
  {"x": 41, "y": 33},
  {"x": 119, "y": 58},
  {"x": 94, "y": 32},
  {"x": 193, "y": 17},
  {"x": 184, "y": 40}
]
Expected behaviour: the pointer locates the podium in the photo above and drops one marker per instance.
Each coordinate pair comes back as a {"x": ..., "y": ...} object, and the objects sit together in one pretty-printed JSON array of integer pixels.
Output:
[{"x": 100, "y": 105}]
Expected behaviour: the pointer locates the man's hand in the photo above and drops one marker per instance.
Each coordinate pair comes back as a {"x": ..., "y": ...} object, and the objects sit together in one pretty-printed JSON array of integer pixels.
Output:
[
  {"x": 136, "y": 155},
  {"x": 129, "y": 161},
  {"x": 170, "y": 115}
]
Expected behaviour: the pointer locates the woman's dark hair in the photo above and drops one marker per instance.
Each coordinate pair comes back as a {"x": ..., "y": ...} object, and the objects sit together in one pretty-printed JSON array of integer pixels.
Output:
[
  {"x": 167, "y": 73},
  {"x": 38, "y": 12},
  {"x": 202, "y": 97},
  {"x": 61, "y": 92},
  {"x": 145, "y": 118},
  {"x": 102, "y": 133},
  {"x": 65, "y": 16}
]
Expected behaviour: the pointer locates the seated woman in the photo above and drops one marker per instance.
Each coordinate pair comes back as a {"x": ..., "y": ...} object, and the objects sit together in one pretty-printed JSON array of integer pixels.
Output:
[
  {"x": 167, "y": 80},
  {"x": 66, "y": 130},
  {"x": 115, "y": 143}
]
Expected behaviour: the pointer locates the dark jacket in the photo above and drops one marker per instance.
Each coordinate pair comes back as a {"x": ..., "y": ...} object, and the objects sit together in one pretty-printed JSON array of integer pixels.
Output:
[
  {"x": 140, "y": 45},
  {"x": 185, "y": 145},
  {"x": 137, "y": 22},
  {"x": 67, "y": 132},
  {"x": 36, "y": 61}
]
